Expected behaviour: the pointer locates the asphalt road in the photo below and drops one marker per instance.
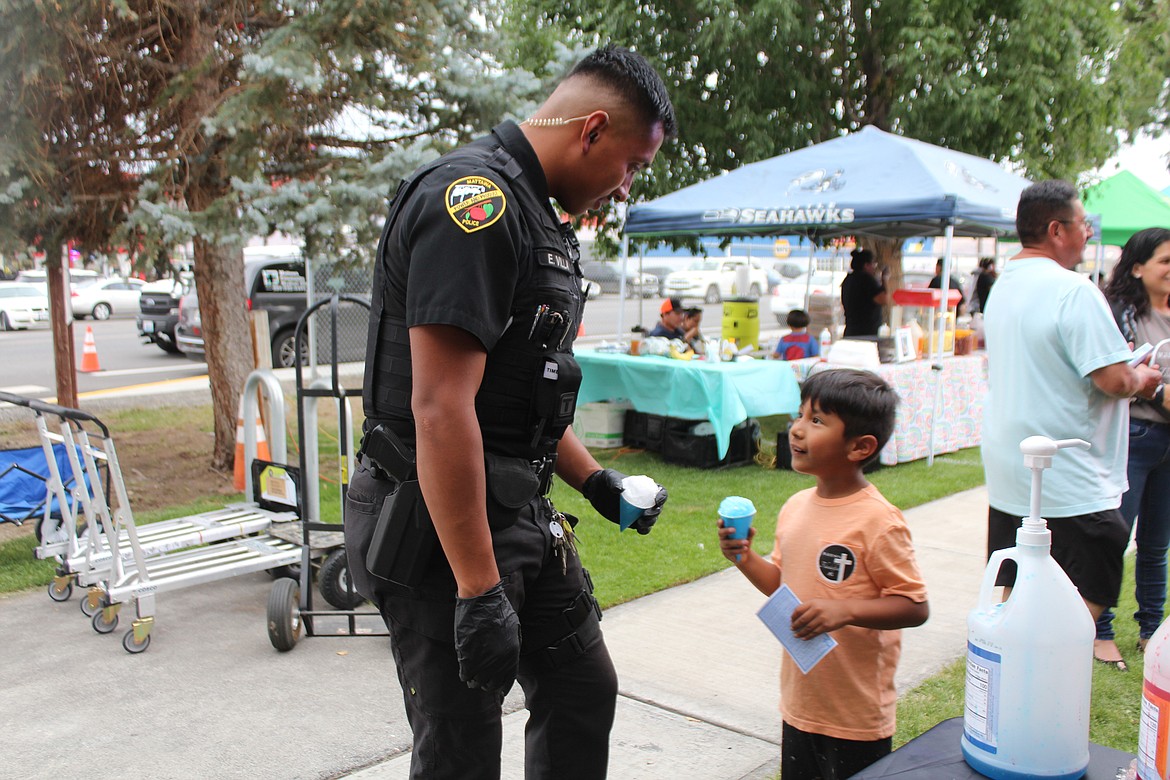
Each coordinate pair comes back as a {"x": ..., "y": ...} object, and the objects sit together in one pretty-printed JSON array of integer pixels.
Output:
[{"x": 26, "y": 357}]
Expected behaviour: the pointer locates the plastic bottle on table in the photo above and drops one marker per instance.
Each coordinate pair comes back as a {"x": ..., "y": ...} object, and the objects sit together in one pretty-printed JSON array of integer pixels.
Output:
[{"x": 826, "y": 340}]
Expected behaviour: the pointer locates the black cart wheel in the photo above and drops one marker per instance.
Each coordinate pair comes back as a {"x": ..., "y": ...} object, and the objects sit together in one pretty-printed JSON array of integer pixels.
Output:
[
  {"x": 60, "y": 594},
  {"x": 284, "y": 614},
  {"x": 292, "y": 572},
  {"x": 132, "y": 646},
  {"x": 100, "y": 625},
  {"x": 712, "y": 295},
  {"x": 333, "y": 582}
]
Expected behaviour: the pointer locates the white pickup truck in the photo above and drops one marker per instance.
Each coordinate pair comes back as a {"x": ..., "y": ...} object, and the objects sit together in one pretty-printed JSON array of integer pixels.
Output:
[{"x": 714, "y": 279}]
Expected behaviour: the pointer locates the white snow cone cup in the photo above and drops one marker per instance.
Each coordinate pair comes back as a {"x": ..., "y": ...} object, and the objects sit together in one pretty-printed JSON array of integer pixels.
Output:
[{"x": 638, "y": 495}]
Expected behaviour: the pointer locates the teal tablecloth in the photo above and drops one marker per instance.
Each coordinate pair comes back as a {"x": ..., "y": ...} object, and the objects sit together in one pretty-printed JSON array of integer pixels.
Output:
[{"x": 724, "y": 393}]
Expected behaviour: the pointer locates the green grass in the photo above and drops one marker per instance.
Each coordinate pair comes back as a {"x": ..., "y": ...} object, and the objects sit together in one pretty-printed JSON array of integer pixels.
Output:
[
  {"x": 1115, "y": 706},
  {"x": 19, "y": 570}
]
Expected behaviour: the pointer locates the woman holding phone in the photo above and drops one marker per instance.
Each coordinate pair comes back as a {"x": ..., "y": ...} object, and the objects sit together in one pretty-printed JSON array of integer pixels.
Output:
[{"x": 1139, "y": 295}]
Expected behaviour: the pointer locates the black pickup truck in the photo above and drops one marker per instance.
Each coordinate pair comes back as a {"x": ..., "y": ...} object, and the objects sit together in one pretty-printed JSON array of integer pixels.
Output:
[{"x": 159, "y": 312}]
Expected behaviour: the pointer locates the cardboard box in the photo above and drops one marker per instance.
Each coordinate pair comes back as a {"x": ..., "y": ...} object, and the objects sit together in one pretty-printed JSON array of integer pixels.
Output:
[{"x": 601, "y": 425}]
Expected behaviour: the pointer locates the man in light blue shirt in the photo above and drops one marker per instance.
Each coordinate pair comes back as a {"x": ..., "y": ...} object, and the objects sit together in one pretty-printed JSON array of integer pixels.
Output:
[{"x": 1058, "y": 367}]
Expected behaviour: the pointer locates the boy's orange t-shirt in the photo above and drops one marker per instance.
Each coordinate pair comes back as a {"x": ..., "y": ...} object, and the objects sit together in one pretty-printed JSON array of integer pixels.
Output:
[{"x": 853, "y": 547}]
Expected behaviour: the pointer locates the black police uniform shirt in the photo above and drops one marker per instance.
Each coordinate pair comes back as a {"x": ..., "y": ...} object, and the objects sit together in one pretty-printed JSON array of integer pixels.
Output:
[{"x": 469, "y": 266}]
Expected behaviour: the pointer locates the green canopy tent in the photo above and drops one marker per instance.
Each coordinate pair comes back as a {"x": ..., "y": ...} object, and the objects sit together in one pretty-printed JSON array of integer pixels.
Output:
[{"x": 1126, "y": 205}]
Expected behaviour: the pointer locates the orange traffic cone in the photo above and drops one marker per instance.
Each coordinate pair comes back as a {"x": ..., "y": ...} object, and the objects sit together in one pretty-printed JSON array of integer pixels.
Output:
[
  {"x": 89, "y": 358},
  {"x": 581, "y": 330},
  {"x": 262, "y": 451}
]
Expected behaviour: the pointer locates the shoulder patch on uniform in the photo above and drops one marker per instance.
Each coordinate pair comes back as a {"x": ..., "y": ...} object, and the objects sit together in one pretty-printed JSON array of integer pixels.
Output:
[{"x": 475, "y": 202}]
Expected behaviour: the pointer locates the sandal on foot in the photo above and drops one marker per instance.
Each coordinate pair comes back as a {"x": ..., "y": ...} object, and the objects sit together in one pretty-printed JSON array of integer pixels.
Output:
[
  {"x": 1106, "y": 645},
  {"x": 1141, "y": 644},
  {"x": 1119, "y": 664}
]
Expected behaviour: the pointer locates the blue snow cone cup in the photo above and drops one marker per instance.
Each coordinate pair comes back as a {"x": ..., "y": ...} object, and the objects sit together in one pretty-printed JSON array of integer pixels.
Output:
[{"x": 737, "y": 513}]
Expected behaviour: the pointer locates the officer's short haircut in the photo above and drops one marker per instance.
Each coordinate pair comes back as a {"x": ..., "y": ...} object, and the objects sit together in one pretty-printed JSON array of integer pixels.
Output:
[
  {"x": 798, "y": 318},
  {"x": 1039, "y": 205},
  {"x": 862, "y": 399},
  {"x": 635, "y": 81}
]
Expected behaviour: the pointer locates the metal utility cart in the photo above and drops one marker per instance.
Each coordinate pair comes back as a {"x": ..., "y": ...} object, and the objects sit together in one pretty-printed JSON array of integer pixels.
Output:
[{"x": 291, "y": 612}]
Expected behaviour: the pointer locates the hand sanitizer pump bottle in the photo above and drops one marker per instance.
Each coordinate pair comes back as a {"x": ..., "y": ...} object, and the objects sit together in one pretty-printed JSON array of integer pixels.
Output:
[{"x": 1030, "y": 658}]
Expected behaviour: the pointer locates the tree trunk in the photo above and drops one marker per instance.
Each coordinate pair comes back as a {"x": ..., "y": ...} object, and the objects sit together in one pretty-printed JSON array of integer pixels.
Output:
[
  {"x": 61, "y": 323},
  {"x": 219, "y": 268},
  {"x": 219, "y": 280},
  {"x": 888, "y": 252}
]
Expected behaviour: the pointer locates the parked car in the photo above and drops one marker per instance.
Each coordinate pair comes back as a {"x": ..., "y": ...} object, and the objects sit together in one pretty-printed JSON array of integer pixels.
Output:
[
  {"x": 76, "y": 276},
  {"x": 607, "y": 275},
  {"x": 276, "y": 283},
  {"x": 790, "y": 294},
  {"x": 158, "y": 311},
  {"x": 714, "y": 279},
  {"x": 104, "y": 298},
  {"x": 825, "y": 291},
  {"x": 22, "y": 305}
]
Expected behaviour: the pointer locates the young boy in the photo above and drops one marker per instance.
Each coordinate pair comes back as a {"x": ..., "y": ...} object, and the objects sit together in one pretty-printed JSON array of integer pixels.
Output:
[
  {"x": 799, "y": 343},
  {"x": 846, "y": 553}
]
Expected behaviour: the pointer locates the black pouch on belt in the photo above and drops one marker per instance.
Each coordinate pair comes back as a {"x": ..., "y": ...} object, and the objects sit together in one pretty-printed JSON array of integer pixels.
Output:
[{"x": 404, "y": 538}]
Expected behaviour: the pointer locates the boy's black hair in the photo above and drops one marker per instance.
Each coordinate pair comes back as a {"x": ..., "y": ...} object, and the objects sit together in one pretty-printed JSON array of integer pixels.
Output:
[
  {"x": 635, "y": 80},
  {"x": 798, "y": 318},
  {"x": 862, "y": 399}
]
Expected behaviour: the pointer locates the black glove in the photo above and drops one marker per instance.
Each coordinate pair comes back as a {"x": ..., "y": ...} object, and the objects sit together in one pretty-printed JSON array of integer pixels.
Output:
[
  {"x": 487, "y": 641},
  {"x": 604, "y": 489}
]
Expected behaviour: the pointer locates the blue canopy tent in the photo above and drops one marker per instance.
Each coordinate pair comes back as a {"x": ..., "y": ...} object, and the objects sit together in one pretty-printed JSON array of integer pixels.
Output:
[{"x": 868, "y": 183}]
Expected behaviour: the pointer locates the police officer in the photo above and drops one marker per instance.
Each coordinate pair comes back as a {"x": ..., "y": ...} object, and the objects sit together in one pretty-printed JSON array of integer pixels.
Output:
[{"x": 470, "y": 388}]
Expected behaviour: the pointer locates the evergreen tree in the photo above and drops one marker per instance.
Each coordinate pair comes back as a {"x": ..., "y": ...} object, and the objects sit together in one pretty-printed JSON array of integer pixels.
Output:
[{"x": 157, "y": 122}]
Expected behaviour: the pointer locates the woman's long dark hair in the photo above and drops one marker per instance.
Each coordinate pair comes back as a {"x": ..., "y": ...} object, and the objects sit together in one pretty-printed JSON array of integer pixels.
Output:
[{"x": 1123, "y": 286}]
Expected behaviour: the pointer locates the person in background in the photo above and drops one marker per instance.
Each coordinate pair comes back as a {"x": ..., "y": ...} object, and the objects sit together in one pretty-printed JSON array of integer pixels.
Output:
[
  {"x": 798, "y": 343},
  {"x": 863, "y": 294},
  {"x": 469, "y": 394},
  {"x": 846, "y": 553},
  {"x": 670, "y": 320},
  {"x": 983, "y": 282},
  {"x": 1139, "y": 296},
  {"x": 1059, "y": 367},
  {"x": 692, "y": 333},
  {"x": 953, "y": 283}
]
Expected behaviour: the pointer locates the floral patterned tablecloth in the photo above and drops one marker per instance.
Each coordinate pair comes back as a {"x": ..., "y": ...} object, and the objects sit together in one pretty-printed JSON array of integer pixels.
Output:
[{"x": 960, "y": 414}]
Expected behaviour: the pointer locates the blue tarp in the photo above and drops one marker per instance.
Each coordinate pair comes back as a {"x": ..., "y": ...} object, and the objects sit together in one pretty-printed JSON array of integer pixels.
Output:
[
  {"x": 23, "y": 475},
  {"x": 866, "y": 183}
]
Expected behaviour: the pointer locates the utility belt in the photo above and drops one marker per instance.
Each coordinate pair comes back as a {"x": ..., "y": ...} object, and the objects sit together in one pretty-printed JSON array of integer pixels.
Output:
[{"x": 404, "y": 541}]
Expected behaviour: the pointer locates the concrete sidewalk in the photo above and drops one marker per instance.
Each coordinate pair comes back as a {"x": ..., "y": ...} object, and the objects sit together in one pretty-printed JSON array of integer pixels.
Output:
[
  {"x": 698, "y": 675},
  {"x": 698, "y": 672}
]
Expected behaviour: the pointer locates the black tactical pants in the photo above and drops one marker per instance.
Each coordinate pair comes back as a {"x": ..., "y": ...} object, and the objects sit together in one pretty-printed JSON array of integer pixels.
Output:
[{"x": 570, "y": 693}]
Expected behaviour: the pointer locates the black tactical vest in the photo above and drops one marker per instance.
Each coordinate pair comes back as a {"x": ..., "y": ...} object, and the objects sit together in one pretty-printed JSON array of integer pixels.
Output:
[{"x": 529, "y": 391}]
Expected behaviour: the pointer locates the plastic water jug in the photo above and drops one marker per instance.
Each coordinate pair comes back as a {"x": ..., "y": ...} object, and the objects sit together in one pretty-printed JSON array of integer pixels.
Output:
[
  {"x": 1030, "y": 658},
  {"x": 1154, "y": 730}
]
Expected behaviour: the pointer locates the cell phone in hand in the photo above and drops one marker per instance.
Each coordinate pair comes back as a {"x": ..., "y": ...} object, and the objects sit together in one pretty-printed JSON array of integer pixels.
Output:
[{"x": 1140, "y": 354}]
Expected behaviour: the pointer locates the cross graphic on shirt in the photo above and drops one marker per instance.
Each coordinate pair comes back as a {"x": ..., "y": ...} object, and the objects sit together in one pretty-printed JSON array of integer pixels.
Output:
[{"x": 842, "y": 560}]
